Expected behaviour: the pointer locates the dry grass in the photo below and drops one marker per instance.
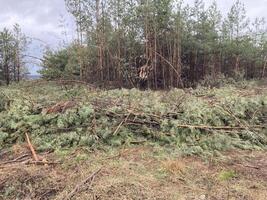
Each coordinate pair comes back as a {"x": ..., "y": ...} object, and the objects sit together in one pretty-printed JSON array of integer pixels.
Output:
[
  {"x": 174, "y": 167},
  {"x": 138, "y": 173}
]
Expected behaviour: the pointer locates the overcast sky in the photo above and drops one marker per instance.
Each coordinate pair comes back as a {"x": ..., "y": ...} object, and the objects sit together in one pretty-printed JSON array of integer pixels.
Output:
[{"x": 41, "y": 18}]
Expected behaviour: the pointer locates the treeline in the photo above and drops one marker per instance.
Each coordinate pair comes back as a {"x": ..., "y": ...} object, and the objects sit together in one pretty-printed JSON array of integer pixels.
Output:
[
  {"x": 159, "y": 44},
  {"x": 13, "y": 45}
]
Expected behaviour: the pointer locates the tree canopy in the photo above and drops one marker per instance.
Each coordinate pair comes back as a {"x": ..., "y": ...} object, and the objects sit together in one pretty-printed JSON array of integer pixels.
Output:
[
  {"x": 150, "y": 44},
  {"x": 12, "y": 48}
]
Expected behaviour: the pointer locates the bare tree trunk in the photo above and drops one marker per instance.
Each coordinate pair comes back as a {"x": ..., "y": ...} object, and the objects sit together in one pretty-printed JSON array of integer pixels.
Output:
[
  {"x": 171, "y": 73},
  {"x": 179, "y": 66},
  {"x": 163, "y": 72},
  {"x": 99, "y": 41},
  {"x": 80, "y": 23},
  {"x": 18, "y": 64},
  {"x": 237, "y": 63},
  {"x": 14, "y": 71},
  {"x": 18, "y": 68},
  {"x": 264, "y": 67},
  {"x": 7, "y": 76},
  {"x": 155, "y": 61},
  {"x": 6, "y": 67},
  {"x": 18, "y": 78}
]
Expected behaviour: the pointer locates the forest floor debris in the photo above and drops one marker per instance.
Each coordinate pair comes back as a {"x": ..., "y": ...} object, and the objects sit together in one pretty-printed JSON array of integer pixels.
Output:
[
  {"x": 177, "y": 144},
  {"x": 141, "y": 172}
]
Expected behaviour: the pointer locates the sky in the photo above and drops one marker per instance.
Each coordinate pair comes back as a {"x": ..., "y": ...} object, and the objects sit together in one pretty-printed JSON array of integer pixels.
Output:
[{"x": 43, "y": 20}]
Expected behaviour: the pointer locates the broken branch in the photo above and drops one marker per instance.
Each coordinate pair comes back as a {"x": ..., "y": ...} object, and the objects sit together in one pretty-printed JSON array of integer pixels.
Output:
[{"x": 35, "y": 157}]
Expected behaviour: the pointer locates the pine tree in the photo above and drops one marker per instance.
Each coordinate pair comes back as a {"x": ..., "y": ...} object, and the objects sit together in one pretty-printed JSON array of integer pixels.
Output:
[{"x": 162, "y": 44}]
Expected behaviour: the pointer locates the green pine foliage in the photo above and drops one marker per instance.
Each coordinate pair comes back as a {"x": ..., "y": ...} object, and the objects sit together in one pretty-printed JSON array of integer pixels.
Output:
[{"x": 127, "y": 117}]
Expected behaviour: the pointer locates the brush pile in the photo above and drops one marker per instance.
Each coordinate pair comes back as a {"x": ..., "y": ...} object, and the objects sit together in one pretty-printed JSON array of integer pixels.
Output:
[{"x": 199, "y": 121}]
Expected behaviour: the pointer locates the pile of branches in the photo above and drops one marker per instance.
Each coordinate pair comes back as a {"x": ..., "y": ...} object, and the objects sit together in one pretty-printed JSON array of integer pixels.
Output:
[{"x": 195, "y": 122}]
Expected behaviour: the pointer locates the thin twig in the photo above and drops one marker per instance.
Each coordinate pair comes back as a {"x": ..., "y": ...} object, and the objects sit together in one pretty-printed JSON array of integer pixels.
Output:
[
  {"x": 232, "y": 115},
  {"x": 174, "y": 69},
  {"x": 89, "y": 180},
  {"x": 122, "y": 122},
  {"x": 219, "y": 127},
  {"x": 2, "y": 153},
  {"x": 44, "y": 162}
]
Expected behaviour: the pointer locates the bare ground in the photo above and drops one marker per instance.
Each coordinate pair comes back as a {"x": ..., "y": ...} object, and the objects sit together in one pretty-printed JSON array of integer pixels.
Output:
[{"x": 139, "y": 172}]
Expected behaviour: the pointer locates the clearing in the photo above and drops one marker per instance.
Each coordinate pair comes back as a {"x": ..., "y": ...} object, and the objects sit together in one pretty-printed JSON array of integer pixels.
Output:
[{"x": 129, "y": 144}]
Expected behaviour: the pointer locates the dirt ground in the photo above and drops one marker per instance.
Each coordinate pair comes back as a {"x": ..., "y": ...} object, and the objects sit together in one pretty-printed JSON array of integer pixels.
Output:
[{"x": 140, "y": 172}]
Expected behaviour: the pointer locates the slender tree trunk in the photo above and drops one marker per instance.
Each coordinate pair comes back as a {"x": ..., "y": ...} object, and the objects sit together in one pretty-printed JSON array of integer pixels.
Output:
[
  {"x": 171, "y": 72},
  {"x": 7, "y": 75},
  {"x": 6, "y": 67},
  {"x": 99, "y": 41},
  {"x": 18, "y": 68},
  {"x": 264, "y": 67},
  {"x": 237, "y": 63},
  {"x": 163, "y": 72},
  {"x": 155, "y": 61}
]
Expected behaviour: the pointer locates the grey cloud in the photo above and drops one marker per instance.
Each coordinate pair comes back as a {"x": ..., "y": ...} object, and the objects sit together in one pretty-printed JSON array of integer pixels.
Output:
[{"x": 38, "y": 18}]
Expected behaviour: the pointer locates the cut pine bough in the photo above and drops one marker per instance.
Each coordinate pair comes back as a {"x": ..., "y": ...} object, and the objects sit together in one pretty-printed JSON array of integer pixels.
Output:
[{"x": 95, "y": 119}]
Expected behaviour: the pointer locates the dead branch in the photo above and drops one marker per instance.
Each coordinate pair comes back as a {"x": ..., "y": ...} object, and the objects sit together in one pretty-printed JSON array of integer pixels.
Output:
[
  {"x": 65, "y": 81},
  {"x": 2, "y": 153},
  {"x": 230, "y": 113},
  {"x": 41, "y": 162},
  {"x": 122, "y": 122},
  {"x": 18, "y": 159},
  {"x": 168, "y": 62},
  {"x": 138, "y": 142},
  {"x": 89, "y": 180},
  {"x": 35, "y": 157},
  {"x": 60, "y": 107},
  {"x": 249, "y": 166},
  {"x": 220, "y": 127}
]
